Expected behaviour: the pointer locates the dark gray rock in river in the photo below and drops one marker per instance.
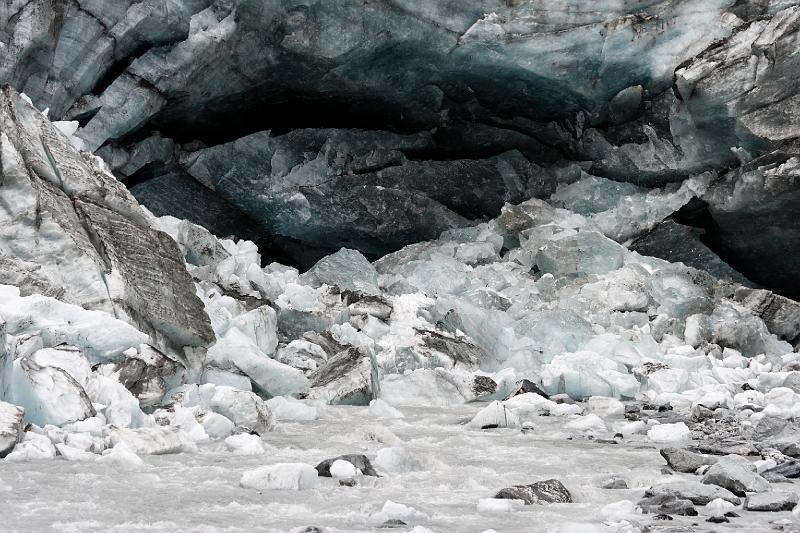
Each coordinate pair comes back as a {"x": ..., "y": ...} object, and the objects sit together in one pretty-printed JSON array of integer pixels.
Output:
[{"x": 549, "y": 491}]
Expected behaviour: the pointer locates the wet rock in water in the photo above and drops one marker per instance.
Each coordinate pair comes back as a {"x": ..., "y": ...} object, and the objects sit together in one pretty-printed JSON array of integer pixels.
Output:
[
  {"x": 788, "y": 469},
  {"x": 771, "y": 501},
  {"x": 11, "y": 427},
  {"x": 541, "y": 492},
  {"x": 345, "y": 379},
  {"x": 685, "y": 461},
  {"x": 483, "y": 386},
  {"x": 358, "y": 460},
  {"x": 736, "y": 474},
  {"x": 348, "y": 482},
  {"x": 667, "y": 504},
  {"x": 393, "y": 523},
  {"x": 695, "y": 492}
]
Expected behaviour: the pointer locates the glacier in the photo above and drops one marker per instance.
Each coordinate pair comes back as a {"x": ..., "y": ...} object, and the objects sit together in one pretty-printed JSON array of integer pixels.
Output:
[{"x": 353, "y": 266}]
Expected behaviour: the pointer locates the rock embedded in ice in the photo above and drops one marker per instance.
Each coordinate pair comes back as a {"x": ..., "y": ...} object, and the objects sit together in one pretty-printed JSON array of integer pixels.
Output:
[
  {"x": 361, "y": 462},
  {"x": 245, "y": 444},
  {"x": 281, "y": 476},
  {"x": 549, "y": 491},
  {"x": 11, "y": 426},
  {"x": 495, "y": 415},
  {"x": 771, "y": 501},
  {"x": 669, "y": 432},
  {"x": 685, "y": 461},
  {"x": 736, "y": 474}
]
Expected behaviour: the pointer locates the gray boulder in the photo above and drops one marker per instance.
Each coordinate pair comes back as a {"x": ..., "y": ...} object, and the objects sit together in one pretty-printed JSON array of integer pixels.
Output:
[
  {"x": 549, "y": 491},
  {"x": 736, "y": 474}
]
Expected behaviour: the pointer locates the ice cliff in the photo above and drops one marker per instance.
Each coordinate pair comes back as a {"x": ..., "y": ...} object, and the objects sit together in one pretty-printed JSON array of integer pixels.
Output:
[{"x": 308, "y": 126}]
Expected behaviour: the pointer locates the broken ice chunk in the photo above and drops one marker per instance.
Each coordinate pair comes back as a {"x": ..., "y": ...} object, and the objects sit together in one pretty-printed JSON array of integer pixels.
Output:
[
  {"x": 347, "y": 269},
  {"x": 586, "y": 252},
  {"x": 281, "y": 476}
]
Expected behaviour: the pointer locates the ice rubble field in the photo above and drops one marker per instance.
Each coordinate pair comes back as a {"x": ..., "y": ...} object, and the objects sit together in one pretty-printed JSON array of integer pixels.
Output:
[
  {"x": 530, "y": 348},
  {"x": 592, "y": 338}
]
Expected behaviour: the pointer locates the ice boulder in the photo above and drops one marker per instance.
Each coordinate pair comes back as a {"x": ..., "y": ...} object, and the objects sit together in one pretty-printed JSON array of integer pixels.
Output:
[
  {"x": 287, "y": 408},
  {"x": 281, "y": 476},
  {"x": 347, "y": 269},
  {"x": 586, "y": 252},
  {"x": 102, "y": 337},
  {"x": 381, "y": 409},
  {"x": 245, "y": 444},
  {"x": 494, "y": 415},
  {"x": 148, "y": 441},
  {"x": 341, "y": 469},
  {"x": 11, "y": 427},
  {"x": 397, "y": 459},
  {"x": 582, "y": 374},
  {"x": 32, "y": 447},
  {"x": 669, "y": 432},
  {"x": 49, "y": 395},
  {"x": 243, "y": 408}
]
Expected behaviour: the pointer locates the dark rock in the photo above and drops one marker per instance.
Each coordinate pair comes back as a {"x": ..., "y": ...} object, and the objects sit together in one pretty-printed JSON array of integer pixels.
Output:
[
  {"x": 524, "y": 386},
  {"x": 392, "y": 524},
  {"x": 348, "y": 482},
  {"x": 667, "y": 504},
  {"x": 788, "y": 469},
  {"x": 549, "y": 491},
  {"x": 358, "y": 460},
  {"x": 718, "y": 519},
  {"x": 483, "y": 386}
]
